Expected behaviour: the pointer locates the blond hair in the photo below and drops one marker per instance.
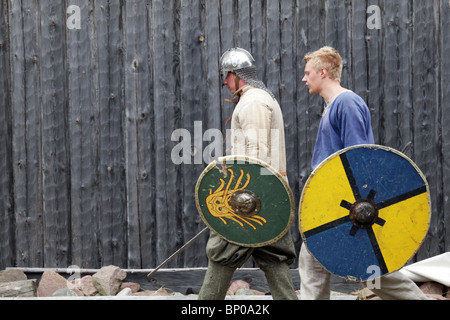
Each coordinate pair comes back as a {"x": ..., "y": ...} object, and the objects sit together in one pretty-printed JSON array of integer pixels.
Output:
[{"x": 326, "y": 58}]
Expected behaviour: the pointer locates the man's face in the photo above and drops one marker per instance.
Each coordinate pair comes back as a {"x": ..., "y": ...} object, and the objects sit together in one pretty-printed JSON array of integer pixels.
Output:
[
  {"x": 230, "y": 82},
  {"x": 312, "y": 78}
]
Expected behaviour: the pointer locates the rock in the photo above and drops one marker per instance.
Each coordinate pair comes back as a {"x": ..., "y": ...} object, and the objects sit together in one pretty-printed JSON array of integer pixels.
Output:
[
  {"x": 432, "y": 288},
  {"x": 135, "y": 287},
  {"x": 49, "y": 283},
  {"x": 23, "y": 288},
  {"x": 160, "y": 292},
  {"x": 142, "y": 293},
  {"x": 87, "y": 286},
  {"x": 12, "y": 275},
  {"x": 108, "y": 280},
  {"x": 244, "y": 292},
  {"x": 64, "y": 292},
  {"x": 236, "y": 285},
  {"x": 257, "y": 293},
  {"x": 365, "y": 294},
  {"x": 124, "y": 292}
]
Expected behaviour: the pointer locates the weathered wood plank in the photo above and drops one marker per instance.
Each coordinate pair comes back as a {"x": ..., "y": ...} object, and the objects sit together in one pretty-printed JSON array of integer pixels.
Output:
[
  {"x": 288, "y": 82},
  {"x": 19, "y": 152},
  {"x": 227, "y": 40},
  {"x": 257, "y": 11},
  {"x": 359, "y": 51},
  {"x": 443, "y": 103},
  {"x": 395, "y": 109},
  {"x": 426, "y": 129},
  {"x": 55, "y": 159},
  {"x": 272, "y": 48},
  {"x": 304, "y": 153},
  {"x": 338, "y": 35},
  {"x": 243, "y": 26},
  {"x": 135, "y": 89},
  {"x": 112, "y": 203},
  {"x": 7, "y": 241},
  {"x": 374, "y": 43},
  {"x": 166, "y": 22},
  {"x": 193, "y": 99},
  {"x": 83, "y": 128},
  {"x": 212, "y": 53}
]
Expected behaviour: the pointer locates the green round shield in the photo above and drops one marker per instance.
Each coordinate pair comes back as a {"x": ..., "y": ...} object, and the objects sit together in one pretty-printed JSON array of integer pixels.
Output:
[{"x": 245, "y": 201}]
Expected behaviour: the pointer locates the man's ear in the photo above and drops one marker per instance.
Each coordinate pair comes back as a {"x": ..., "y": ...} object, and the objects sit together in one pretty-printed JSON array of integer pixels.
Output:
[{"x": 324, "y": 73}]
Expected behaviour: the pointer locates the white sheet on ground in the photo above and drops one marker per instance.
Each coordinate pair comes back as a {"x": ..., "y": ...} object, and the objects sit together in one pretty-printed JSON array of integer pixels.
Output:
[{"x": 432, "y": 269}]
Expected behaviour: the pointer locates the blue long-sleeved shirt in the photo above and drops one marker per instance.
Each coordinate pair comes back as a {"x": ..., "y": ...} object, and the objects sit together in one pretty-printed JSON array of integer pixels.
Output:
[{"x": 346, "y": 123}]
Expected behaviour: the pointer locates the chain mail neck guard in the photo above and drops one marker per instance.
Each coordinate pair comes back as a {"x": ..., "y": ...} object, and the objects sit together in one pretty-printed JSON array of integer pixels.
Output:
[{"x": 249, "y": 75}]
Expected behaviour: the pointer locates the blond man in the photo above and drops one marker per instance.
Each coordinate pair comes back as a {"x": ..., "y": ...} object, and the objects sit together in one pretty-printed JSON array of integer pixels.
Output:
[{"x": 345, "y": 122}]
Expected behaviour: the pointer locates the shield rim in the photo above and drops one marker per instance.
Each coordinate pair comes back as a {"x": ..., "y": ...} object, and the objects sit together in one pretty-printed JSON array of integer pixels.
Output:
[
  {"x": 252, "y": 160},
  {"x": 338, "y": 153}
]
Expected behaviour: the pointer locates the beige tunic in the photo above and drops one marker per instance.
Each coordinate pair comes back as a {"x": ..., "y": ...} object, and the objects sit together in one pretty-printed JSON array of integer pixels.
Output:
[{"x": 257, "y": 128}]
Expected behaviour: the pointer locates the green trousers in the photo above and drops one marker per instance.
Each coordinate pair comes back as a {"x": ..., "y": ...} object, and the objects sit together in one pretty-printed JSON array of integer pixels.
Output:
[{"x": 224, "y": 258}]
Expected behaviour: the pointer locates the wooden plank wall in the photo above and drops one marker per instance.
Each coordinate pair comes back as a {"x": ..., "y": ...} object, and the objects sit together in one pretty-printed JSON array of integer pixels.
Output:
[{"x": 88, "y": 114}]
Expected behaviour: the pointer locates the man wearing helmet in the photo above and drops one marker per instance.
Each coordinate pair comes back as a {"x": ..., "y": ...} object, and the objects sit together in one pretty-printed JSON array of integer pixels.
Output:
[{"x": 257, "y": 130}]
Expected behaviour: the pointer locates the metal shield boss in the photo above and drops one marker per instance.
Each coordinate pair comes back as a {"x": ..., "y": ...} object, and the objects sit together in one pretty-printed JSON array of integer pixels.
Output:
[
  {"x": 364, "y": 212},
  {"x": 245, "y": 201}
]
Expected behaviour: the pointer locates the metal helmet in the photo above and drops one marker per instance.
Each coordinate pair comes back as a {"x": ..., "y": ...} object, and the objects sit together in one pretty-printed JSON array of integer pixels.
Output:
[
  {"x": 235, "y": 59},
  {"x": 242, "y": 63}
]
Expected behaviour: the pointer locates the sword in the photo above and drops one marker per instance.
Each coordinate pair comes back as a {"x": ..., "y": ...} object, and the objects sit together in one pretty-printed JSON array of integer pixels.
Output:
[{"x": 187, "y": 244}]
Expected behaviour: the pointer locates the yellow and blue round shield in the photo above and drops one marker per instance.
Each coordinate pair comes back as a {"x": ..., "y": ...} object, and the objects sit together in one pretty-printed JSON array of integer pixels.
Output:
[{"x": 364, "y": 207}]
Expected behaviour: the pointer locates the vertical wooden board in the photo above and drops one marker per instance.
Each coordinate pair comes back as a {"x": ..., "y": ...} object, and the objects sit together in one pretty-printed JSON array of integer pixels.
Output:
[
  {"x": 26, "y": 134},
  {"x": 337, "y": 35},
  {"x": 311, "y": 36},
  {"x": 194, "y": 102},
  {"x": 55, "y": 160},
  {"x": 444, "y": 102},
  {"x": 167, "y": 118},
  {"x": 18, "y": 130},
  {"x": 112, "y": 203},
  {"x": 140, "y": 142},
  {"x": 83, "y": 128},
  {"x": 244, "y": 35},
  {"x": 426, "y": 130},
  {"x": 227, "y": 41},
  {"x": 212, "y": 52},
  {"x": 317, "y": 38},
  {"x": 395, "y": 119},
  {"x": 132, "y": 23},
  {"x": 7, "y": 245},
  {"x": 374, "y": 43},
  {"x": 33, "y": 126},
  {"x": 214, "y": 123},
  {"x": 258, "y": 34},
  {"x": 359, "y": 49},
  {"x": 135, "y": 83},
  {"x": 227, "y": 25},
  {"x": 272, "y": 48},
  {"x": 289, "y": 80},
  {"x": 302, "y": 96}
]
